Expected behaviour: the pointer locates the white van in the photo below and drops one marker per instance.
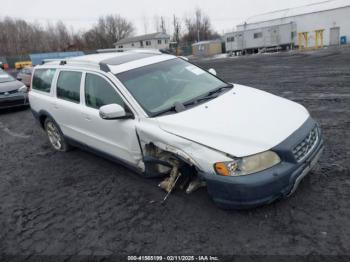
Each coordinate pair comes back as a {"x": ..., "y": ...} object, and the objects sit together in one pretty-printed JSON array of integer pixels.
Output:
[{"x": 163, "y": 116}]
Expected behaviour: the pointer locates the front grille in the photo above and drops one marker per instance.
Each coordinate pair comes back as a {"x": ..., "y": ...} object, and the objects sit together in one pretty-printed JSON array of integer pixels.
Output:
[
  {"x": 305, "y": 147},
  {"x": 9, "y": 92},
  {"x": 4, "y": 104}
]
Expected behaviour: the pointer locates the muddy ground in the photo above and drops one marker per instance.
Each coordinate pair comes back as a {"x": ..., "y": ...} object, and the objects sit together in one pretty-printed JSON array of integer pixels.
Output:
[{"x": 77, "y": 203}]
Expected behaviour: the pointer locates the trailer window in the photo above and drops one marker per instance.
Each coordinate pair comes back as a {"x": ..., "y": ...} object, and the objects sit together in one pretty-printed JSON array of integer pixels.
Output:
[
  {"x": 258, "y": 35},
  {"x": 231, "y": 39}
]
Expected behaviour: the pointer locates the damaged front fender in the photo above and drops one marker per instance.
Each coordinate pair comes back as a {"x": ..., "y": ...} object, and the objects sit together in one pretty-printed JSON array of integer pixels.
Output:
[{"x": 159, "y": 144}]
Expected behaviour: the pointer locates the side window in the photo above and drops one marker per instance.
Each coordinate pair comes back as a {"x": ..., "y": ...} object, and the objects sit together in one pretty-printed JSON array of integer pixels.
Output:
[
  {"x": 98, "y": 92},
  {"x": 68, "y": 86},
  {"x": 42, "y": 79},
  {"x": 258, "y": 35}
]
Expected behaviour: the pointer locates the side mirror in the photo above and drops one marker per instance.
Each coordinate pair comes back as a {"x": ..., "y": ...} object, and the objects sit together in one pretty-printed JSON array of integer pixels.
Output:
[
  {"x": 212, "y": 71},
  {"x": 23, "y": 89},
  {"x": 19, "y": 79},
  {"x": 113, "y": 111}
]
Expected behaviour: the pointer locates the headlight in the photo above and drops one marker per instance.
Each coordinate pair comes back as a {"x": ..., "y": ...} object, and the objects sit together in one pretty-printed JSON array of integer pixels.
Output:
[{"x": 247, "y": 165}]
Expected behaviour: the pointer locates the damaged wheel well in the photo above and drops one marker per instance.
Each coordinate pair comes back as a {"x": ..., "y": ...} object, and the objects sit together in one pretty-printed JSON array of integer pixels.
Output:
[
  {"x": 159, "y": 162},
  {"x": 162, "y": 160}
]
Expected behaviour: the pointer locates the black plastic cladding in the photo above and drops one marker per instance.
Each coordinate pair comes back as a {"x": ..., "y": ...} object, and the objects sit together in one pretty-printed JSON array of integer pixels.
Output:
[
  {"x": 104, "y": 67},
  {"x": 285, "y": 148}
]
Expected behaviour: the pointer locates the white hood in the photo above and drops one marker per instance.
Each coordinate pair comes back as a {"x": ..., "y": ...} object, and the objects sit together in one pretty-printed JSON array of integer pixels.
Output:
[{"x": 242, "y": 122}]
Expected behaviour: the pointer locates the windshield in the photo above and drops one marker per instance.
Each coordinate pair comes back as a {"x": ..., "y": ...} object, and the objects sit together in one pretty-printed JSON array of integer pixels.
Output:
[
  {"x": 160, "y": 86},
  {"x": 5, "y": 77}
]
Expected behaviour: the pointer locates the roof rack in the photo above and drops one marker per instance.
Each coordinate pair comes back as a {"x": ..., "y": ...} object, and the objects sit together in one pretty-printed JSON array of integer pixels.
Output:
[
  {"x": 101, "y": 65},
  {"x": 76, "y": 62},
  {"x": 139, "y": 50},
  {"x": 45, "y": 61}
]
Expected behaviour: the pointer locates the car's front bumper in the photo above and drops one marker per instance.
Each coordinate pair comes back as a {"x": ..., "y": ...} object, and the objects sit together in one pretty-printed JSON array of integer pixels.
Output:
[
  {"x": 13, "y": 100},
  {"x": 269, "y": 185}
]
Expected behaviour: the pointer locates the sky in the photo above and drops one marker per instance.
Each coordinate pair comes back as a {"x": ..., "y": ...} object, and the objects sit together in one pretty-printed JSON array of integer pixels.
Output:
[{"x": 82, "y": 14}]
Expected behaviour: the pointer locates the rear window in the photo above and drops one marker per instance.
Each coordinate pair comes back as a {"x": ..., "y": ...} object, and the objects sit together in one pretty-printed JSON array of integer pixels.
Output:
[
  {"x": 42, "y": 79},
  {"x": 68, "y": 86}
]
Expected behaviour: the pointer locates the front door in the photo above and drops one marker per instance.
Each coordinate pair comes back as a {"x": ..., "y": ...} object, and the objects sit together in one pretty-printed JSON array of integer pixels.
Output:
[
  {"x": 334, "y": 37},
  {"x": 114, "y": 137}
]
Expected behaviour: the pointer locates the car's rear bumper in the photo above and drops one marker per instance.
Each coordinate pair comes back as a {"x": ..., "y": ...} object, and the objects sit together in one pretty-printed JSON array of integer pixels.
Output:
[
  {"x": 15, "y": 100},
  {"x": 266, "y": 186}
]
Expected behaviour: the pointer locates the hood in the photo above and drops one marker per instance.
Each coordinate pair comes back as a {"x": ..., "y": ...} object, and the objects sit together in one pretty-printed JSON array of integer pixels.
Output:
[
  {"x": 244, "y": 121},
  {"x": 10, "y": 86}
]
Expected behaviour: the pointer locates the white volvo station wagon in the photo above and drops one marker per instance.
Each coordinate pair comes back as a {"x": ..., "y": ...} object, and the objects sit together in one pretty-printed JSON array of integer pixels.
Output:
[{"x": 165, "y": 117}]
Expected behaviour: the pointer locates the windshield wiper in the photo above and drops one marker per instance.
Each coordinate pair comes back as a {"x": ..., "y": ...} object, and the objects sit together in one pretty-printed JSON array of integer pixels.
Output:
[
  {"x": 177, "y": 107},
  {"x": 219, "y": 89},
  {"x": 210, "y": 95}
]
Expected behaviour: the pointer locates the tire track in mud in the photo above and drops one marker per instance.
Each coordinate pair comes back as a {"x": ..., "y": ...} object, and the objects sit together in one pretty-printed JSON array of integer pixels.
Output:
[{"x": 12, "y": 133}]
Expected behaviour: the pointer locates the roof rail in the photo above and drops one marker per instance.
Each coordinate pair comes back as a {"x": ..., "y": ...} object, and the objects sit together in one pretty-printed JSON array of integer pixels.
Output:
[
  {"x": 74, "y": 61},
  {"x": 140, "y": 50},
  {"x": 44, "y": 61}
]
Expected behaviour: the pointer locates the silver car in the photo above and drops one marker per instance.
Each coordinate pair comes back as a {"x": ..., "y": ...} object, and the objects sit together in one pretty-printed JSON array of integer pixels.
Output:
[
  {"x": 13, "y": 93},
  {"x": 25, "y": 75}
]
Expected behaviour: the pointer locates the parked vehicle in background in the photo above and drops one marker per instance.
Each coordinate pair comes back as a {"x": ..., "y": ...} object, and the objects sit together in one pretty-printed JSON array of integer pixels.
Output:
[
  {"x": 25, "y": 75},
  {"x": 163, "y": 116},
  {"x": 22, "y": 64},
  {"x": 4, "y": 66},
  {"x": 13, "y": 93}
]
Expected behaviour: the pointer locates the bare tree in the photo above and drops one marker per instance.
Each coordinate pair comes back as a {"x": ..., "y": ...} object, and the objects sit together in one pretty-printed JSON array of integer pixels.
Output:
[
  {"x": 176, "y": 29},
  {"x": 199, "y": 28},
  {"x": 145, "y": 24},
  {"x": 162, "y": 25},
  {"x": 156, "y": 20},
  {"x": 63, "y": 36},
  {"x": 198, "y": 21},
  {"x": 18, "y": 37},
  {"x": 107, "y": 31}
]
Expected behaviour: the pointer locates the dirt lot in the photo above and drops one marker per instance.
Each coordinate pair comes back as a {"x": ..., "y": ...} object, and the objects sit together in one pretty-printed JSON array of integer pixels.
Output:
[{"x": 78, "y": 203}]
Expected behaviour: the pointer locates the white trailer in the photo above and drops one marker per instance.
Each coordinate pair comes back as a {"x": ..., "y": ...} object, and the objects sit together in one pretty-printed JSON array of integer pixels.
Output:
[
  {"x": 280, "y": 36},
  {"x": 320, "y": 24}
]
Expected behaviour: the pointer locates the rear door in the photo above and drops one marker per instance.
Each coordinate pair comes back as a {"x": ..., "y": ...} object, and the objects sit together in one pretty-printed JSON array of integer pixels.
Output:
[
  {"x": 41, "y": 97},
  {"x": 114, "y": 137},
  {"x": 66, "y": 108}
]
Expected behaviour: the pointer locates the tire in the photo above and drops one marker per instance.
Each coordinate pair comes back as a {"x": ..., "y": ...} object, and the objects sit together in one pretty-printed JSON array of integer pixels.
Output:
[{"x": 55, "y": 136}]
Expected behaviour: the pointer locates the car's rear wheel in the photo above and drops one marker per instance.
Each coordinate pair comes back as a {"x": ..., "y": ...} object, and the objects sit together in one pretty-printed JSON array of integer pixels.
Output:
[{"x": 55, "y": 136}]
